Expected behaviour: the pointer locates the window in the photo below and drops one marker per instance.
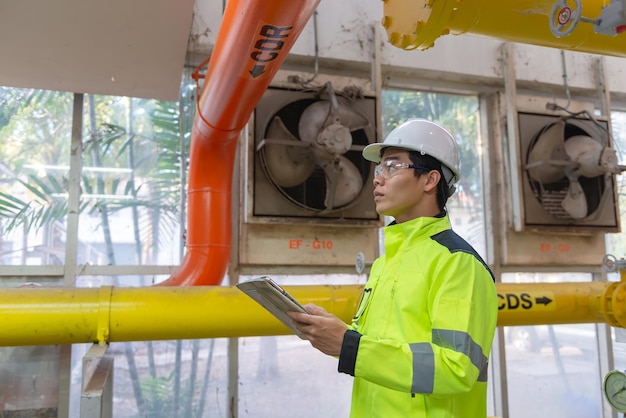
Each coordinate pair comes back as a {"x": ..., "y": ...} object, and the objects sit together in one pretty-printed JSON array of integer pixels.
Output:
[
  {"x": 130, "y": 182},
  {"x": 458, "y": 114}
]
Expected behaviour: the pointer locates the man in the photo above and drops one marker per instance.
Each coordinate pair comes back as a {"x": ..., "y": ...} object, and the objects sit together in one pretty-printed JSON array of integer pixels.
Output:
[{"x": 419, "y": 343}]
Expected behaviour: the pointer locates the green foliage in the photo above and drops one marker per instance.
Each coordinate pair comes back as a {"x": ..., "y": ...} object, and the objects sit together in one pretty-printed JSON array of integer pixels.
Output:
[
  {"x": 10, "y": 103},
  {"x": 35, "y": 127},
  {"x": 41, "y": 210},
  {"x": 159, "y": 393},
  {"x": 108, "y": 146}
]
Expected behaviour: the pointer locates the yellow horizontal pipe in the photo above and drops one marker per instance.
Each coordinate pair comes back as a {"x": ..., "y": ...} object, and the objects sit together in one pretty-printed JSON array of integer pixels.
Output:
[
  {"x": 412, "y": 24},
  {"x": 41, "y": 316},
  {"x": 553, "y": 303}
]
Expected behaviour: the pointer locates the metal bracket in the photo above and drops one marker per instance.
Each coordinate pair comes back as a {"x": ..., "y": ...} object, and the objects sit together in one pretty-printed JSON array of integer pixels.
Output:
[{"x": 96, "y": 399}]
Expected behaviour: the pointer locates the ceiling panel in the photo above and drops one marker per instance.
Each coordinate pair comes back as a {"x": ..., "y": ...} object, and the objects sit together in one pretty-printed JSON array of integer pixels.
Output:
[{"x": 131, "y": 48}]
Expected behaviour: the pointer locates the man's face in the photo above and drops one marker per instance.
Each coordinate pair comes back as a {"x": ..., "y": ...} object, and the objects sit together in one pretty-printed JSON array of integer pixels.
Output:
[{"x": 400, "y": 194}]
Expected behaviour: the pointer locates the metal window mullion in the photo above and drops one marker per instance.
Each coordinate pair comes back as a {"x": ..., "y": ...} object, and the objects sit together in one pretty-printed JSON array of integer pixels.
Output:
[
  {"x": 507, "y": 53},
  {"x": 73, "y": 200},
  {"x": 71, "y": 245}
]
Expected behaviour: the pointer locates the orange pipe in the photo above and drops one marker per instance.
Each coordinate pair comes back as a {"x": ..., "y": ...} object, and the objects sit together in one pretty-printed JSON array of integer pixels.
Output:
[{"x": 254, "y": 39}]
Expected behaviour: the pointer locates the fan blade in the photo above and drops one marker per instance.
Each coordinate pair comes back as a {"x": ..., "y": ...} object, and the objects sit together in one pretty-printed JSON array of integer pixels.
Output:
[
  {"x": 351, "y": 118},
  {"x": 575, "y": 202},
  {"x": 585, "y": 151},
  {"x": 319, "y": 124},
  {"x": 548, "y": 149},
  {"x": 288, "y": 166},
  {"x": 343, "y": 182}
]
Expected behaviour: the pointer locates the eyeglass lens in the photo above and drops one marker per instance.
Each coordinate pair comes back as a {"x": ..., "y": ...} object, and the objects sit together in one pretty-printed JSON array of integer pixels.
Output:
[{"x": 387, "y": 169}]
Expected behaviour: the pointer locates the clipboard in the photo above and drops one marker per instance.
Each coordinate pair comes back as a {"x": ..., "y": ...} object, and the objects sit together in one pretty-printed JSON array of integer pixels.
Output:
[{"x": 273, "y": 298}]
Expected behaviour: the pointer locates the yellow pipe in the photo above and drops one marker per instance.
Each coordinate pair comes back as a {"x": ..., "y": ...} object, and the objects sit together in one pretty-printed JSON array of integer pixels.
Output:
[
  {"x": 554, "y": 303},
  {"x": 41, "y": 316},
  {"x": 414, "y": 24},
  {"x": 44, "y": 316}
]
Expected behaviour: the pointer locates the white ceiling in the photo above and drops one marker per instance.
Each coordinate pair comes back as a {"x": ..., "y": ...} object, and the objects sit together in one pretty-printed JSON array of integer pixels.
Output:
[{"x": 131, "y": 48}]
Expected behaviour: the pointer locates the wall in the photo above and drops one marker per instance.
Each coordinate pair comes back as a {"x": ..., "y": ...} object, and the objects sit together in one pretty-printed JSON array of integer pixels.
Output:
[{"x": 345, "y": 37}]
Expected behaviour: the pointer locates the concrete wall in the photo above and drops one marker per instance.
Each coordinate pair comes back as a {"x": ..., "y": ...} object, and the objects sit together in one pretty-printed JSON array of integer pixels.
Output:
[{"x": 345, "y": 39}]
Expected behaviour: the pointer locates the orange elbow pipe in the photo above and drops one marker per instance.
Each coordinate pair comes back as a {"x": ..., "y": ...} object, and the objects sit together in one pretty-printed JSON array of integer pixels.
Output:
[{"x": 254, "y": 39}]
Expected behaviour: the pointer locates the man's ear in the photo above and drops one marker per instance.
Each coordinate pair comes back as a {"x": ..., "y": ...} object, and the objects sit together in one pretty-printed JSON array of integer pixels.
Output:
[{"x": 432, "y": 180}]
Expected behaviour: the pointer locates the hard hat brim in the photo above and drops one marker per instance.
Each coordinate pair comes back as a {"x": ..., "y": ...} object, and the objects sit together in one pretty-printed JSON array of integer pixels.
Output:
[{"x": 372, "y": 152}]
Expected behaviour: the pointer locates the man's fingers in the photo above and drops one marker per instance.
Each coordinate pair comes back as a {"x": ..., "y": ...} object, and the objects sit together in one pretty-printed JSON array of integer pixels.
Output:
[
  {"x": 315, "y": 310},
  {"x": 300, "y": 317}
]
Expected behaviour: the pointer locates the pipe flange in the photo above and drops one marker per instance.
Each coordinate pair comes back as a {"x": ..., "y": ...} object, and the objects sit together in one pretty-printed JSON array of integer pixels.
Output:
[{"x": 618, "y": 306}]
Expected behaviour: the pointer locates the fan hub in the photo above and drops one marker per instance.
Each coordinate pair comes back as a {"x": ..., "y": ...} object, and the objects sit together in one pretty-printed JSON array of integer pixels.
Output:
[{"x": 336, "y": 138}]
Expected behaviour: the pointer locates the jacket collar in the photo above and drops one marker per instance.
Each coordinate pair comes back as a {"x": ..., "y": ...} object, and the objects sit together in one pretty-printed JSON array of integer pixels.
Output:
[
  {"x": 441, "y": 214},
  {"x": 396, "y": 234}
]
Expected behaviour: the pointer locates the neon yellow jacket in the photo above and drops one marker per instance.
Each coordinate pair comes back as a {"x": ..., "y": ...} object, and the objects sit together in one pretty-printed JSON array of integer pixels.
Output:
[{"x": 420, "y": 340}]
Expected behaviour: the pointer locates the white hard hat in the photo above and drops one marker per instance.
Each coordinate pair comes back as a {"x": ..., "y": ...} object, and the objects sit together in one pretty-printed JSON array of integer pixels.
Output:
[{"x": 425, "y": 137}]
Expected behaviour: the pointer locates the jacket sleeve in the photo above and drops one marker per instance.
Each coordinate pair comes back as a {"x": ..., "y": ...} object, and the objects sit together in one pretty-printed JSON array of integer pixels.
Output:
[{"x": 462, "y": 315}]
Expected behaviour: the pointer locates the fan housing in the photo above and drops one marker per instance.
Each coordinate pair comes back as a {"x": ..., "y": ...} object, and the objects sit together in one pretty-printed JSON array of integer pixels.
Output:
[
  {"x": 567, "y": 173},
  {"x": 308, "y": 161}
]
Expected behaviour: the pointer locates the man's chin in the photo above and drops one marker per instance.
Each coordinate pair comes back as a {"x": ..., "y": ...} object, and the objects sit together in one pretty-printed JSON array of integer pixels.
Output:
[{"x": 383, "y": 211}]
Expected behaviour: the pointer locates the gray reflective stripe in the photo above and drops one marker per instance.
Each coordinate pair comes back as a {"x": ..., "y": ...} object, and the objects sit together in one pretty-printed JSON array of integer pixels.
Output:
[
  {"x": 482, "y": 377},
  {"x": 423, "y": 368},
  {"x": 462, "y": 342}
]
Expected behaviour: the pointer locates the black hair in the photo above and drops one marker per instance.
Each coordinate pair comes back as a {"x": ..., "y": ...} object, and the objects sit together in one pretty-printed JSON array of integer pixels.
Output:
[{"x": 432, "y": 163}]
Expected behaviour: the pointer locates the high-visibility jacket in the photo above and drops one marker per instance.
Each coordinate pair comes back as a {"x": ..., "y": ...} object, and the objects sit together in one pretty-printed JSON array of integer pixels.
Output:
[{"x": 419, "y": 343}]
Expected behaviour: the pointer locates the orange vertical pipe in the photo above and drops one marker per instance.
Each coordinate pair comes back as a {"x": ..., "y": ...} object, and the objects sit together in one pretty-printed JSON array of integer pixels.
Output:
[{"x": 254, "y": 39}]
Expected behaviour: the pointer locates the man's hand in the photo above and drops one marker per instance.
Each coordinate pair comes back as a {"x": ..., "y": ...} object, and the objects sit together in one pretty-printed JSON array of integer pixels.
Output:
[{"x": 324, "y": 330}]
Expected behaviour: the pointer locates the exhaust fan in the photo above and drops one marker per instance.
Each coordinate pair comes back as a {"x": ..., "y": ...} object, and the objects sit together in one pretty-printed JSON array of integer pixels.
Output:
[
  {"x": 568, "y": 168},
  {"x": 308, "y": 159}
]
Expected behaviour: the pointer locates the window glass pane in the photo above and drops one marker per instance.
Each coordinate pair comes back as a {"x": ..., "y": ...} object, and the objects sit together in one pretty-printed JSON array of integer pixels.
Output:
[
  {"x": 163, "y": 379},
  {"x": 280, "y": 375},
  {"x": 552, "y": 370},
  {"x": 35, "y": 137},
  {"x": 130, "y": 184},
  {"x": 616, "y": 243},
  {"x": 459, "y": 115},
  {"x": 277, "y": 370},
  {"x": 131, "y": 187},
  {"x": 619, "y": 348},
  {"x": 120, "y": 281},
  {"x": 9, "y": 282},
  {"x": 29, "y": 380}
]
